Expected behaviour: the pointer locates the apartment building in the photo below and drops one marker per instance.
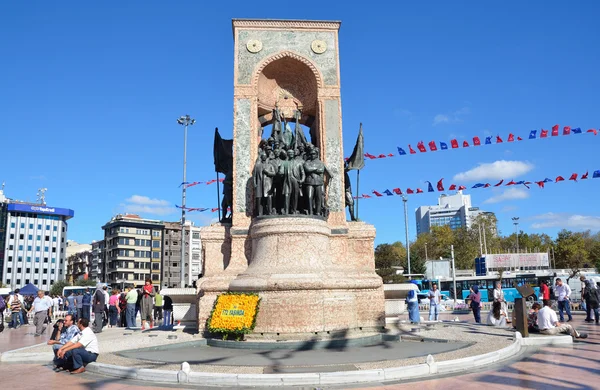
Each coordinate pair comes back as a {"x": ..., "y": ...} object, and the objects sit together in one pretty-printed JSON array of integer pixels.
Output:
[{"x": 171, "y": 276}]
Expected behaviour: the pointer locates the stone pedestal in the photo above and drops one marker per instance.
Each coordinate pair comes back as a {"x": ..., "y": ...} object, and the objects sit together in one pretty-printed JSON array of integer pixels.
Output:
[{"x": 311, "y": 278}]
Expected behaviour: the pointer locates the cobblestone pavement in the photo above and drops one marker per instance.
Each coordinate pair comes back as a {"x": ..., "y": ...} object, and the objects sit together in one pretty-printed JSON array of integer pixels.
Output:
[{"x": 549, "y": 367}]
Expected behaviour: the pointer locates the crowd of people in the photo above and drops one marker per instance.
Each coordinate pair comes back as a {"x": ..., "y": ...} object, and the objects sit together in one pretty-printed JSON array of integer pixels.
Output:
[{"x": 73, "y": 337}]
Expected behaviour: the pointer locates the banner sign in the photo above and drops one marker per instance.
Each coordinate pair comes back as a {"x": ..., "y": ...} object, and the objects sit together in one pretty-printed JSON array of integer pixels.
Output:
[
  {"x": 40, "y": 209},
  {"x": 509, "y": 260}
]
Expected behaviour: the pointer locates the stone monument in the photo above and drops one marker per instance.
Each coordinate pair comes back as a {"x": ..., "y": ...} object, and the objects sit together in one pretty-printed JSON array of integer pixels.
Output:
[{"x": 314, "y": 271}]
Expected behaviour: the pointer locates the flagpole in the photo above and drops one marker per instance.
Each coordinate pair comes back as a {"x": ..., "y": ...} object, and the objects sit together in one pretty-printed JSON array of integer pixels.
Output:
[{"x": 357, "y": 196}]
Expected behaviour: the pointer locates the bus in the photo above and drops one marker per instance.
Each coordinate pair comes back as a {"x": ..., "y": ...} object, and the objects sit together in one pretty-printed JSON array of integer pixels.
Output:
[
  {"x": 422, "y": 282},
  {"x": 68, "y": 290},
  {"x": 487, "y": 284}
]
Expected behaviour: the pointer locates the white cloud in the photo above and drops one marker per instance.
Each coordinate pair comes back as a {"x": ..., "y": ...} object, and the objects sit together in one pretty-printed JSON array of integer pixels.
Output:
[
  {"x": 507, "y": 209},
  {"x": 567, "y": 221},
  {"x": 509, "y": 194},
  {"x": 144, "y": 200},
  {"x": 139, "y": 204},
  {"x": 451, "y": 118},
  {"x": 501, "y": 169},
  {"x": 440, "y": 118}
]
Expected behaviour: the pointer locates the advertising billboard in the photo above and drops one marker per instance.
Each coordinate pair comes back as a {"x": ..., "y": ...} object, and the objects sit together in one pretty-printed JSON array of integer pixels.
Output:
[
  {"x": 40, "y": 209},
  {"x": 510, "y": 260}
]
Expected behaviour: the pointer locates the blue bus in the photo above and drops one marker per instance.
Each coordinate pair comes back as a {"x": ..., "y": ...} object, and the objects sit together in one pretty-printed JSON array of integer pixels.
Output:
[
  {"x": 423, "y": 283},
  {"x": 487, "y": 284}
]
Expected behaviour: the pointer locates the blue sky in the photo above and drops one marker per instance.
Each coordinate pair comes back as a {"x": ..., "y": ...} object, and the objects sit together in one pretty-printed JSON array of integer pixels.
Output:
[{"x": 90, "y": 94}]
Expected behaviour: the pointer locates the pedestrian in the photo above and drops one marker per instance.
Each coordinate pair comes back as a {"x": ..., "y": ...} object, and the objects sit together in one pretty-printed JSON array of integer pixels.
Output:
[
  {"x": 563, "y": 296},
  {"x": 532, "y": 325},
  {"x": 123, "y": 309},
  {"x": 131, "y": 297},
  {"x": 475, "y": 299},
  {"x": 167, "y": 310},
  {"x": 42, "y": 306},
  {"x": 79, "y": 305},
  {"x": 113, "y": 309},
  {"x": 146, "y": 304},
  {"x": 86, "y": 304},
  {"x": 158, "y": 310},
  {"x": 80, "y": 350},
  {"x": 98, "y": 307},
  {"x": 17, "y": 295},
  {"x": 545, "y": 290},
  {"x": 56, "y": 307},
  {"x": 71, "y": 305},
  {"x": 549, "y": 324},
  {"x": 499, "y": 297},
  {"x": 15, "y": 309},
  {"x": 412, "y": 301},
  {"x": 106, "y": 304},
  {"x": 592, "y": 299},
  {"x": 434, "y": 303}
]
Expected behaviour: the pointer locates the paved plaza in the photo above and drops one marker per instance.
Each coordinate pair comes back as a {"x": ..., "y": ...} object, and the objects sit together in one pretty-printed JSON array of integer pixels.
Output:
[{"x": 566, "y": 367}]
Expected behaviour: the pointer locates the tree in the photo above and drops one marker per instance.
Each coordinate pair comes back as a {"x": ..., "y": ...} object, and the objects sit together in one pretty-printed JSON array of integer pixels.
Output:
[
  {"x": 466, "y": 248},
  {"x": 417, "y": 264},
  {"x": 386, "y": 257},
  {"x": 570, "y": 252},
  {"x": 85, "y": 283},
  {"x": 57, "y": 287}
]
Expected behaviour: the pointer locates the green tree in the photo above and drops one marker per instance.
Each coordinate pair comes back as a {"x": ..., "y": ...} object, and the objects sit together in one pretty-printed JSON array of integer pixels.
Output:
[
  {"x": 388, "y": 256},
  {"x": 466, "y": 248},
  {"x": 57, "y": 288},
  {"x": 417, "y": 264},
  {"x": 570, "y": 251},
  {"x": 86, "y": 283}
]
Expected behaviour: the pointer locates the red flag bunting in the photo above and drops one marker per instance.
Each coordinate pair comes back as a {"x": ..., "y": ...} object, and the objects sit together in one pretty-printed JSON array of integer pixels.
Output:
[
  {"x": 421, "y": 147},
  {"x": 573, "y": 177},
  {"x": 593, "y": 131},
  {"x": 377, "y": 193},
  {"x": 366, "y": 196},
  {"x": 452, "y": 187},
  {"x": 511, "y": 137},
  {"x": 555, "y": 130},
  {"x": 397, "y": 191},
  {"x": 440, "y": 185},
  {"x": 566, "y": 130},
  {"x": 432, "y": 146},
  {"x": 460, "y": 188},
  {"x": 370, "y": 156},
  {"x": 511, "y": 183},
  {"x": 486, "y": 185},
  {"x": 499, "y": 183},
  {"x": 454, "y": 144},
  {"x": 409, "y": 191},
  {"x": 419, "y": 191},
  {"x": 559, "y": 178},
  {"x": 382, "y": 156},
  {"x": 498, "y": 139},
  {"x": 412, "y": 151},
  {"x": 390, "y": 155},
  {"x": 519, "y": 139},
  {"x": 214, "y": 209},
  {"x": 476, "y": 141},
  {"x": 465, "y": 144},
  {"x": 544, "y": 133},
  {"x": 540, "y": 183},
  {"x": 584, "y": 176}
]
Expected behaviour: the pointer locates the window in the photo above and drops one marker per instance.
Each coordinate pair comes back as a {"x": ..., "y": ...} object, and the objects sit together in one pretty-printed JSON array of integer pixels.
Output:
[
  {"x": 19, "y": 270},
  {"x": 156, "y": 255},
  {"x": 22, "y": 225},
  {"x": 156, "y": 244},
  {"x": 47, "y": 227},
  {"x": 53, "y": 250},
  {"x": 45, "y": 259},
  {"x": 45, "y": 249},
  {"x": 45, "y": 270},
  {"x": 35, "y": 282},
  {"x": 37, "y": 259},
  {"x": 54, "y": 259},
  {"x": 47, "y": 238},
  {"x": 29, "y": 247},
  {"x": 7, "y": 281},
  {"x": 155, "y": 266},
  {"x": 37, "y": 248},
  {"x": 12, "y": 225},
  {"x": 52, "y": 271},
  {"x": 20, "y": 258},
  {"x": 30, "y": 237},
  {"x": 38, "y": 237},
  {"x": 28, "y": 270},
  {"x": 39, "y": 228},
  {"x": 52, "y": 281},
  {"x": 10, "y": 247},
  {"x": 196, "y": 235},
  {"x": 28, "y": 260},
  {"x": 55, "y": 228},
  {"x": 18, "y": 282},
  {"x": 12, "y": 236},
  {"x": 20, "y": 247},
  {"x": 53, "y": 239},
  {"x": 8, "y": 270},
  {"x": 154, "y": 277},
  {"x": 30, "y": 226},
  {"x": 21, "y": 236},
  {"x": 60, "y": 271}
]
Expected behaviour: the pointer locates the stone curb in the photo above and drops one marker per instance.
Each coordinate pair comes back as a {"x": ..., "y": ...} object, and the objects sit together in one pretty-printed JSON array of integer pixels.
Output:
[{"x": 325, "y": 378}]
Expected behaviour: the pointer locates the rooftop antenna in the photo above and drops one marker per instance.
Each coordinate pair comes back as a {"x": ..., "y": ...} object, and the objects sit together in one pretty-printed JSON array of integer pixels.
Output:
[{"x": 41, "y": 196}]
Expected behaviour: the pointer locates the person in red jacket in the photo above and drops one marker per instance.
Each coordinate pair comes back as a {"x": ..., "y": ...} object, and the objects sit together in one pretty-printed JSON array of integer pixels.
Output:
[{"x": 545, "y": 290}]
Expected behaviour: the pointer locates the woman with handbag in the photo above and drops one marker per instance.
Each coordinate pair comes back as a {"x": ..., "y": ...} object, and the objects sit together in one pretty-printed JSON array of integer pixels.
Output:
[{"x": 475, "y": 303}]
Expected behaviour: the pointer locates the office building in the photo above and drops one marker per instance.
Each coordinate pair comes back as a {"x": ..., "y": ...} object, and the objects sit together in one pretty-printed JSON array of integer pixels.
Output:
[
  {"x": 79, "y": 261},
  {"x": 97, "y": 260},
  {"x": 133, "y": 251},
  {"x": 34, "y": 244},
  {"x": 172, "y": 254},
  {"x": 455, "y": 211}
]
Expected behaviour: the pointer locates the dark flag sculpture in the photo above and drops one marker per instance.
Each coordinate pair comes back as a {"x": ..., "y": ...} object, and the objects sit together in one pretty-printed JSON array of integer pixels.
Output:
[
  {"x": 357, "y": 161},
  {"x": 223, "y": 159}
]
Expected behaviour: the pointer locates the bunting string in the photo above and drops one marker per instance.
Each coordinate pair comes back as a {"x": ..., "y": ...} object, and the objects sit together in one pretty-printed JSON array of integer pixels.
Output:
[
  {"x": 200, "y": 209},
  {"x": 453, "y": 187},
  {"x": 477, "y": 141},
  {"x": 195, "y": 183}
]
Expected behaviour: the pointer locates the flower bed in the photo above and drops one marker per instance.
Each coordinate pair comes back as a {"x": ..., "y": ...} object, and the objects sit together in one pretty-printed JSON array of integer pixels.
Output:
[{"x": 234, "y": 314}]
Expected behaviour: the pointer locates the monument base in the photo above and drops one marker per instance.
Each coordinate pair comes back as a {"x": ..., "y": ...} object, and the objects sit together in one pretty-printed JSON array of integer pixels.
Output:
[{"x": 312, "y": 278}]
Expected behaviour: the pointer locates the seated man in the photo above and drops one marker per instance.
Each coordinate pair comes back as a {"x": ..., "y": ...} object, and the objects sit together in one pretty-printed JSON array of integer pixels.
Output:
[
  {"x": 80, "y": 350},
  {"x": 532, "y": 316},
  {"x": 69, "y": 331},
  {"x": 548, "y": 322}
]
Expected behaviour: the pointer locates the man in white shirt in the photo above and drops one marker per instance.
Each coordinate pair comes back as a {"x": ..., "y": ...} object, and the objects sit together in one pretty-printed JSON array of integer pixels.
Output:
[
  {"x": 548, "y": 323},
  {"x": 81, "y": 350},
  {"x": 55, "y": 302},
  {"x": 40, "y": 307},
  {"x": 434, "y": 303},
  {"x": 563, "y": 296}
]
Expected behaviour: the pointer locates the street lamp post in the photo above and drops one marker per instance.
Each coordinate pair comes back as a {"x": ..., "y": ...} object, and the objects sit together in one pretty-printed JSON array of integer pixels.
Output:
[
  {"x": 406, "y": 228},
  {"x": 426, "y": 252},
  {"x": 516, "y": 223},
  {"x": 185, "y": 121}
]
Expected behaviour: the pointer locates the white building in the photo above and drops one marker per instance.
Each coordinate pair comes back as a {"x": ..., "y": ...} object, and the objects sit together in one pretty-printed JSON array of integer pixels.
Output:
[
  {"x": 34, "y": 245},
  {"x": 453, "y": 210},
  {"x": 172, "y": 254}
]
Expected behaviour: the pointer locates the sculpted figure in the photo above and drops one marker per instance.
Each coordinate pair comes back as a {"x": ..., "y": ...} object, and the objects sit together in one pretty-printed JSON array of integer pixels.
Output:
[
  {"x": 287, "y": 137},
  {"x": 263, "y": 182},
  {"x": 276, "y": 131},
  {"x": 293, "y": 174},
  {"x": 315, "y": 183},
  {"x": 348, "y": 188},
  {"x": 227, "y": 202}
]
